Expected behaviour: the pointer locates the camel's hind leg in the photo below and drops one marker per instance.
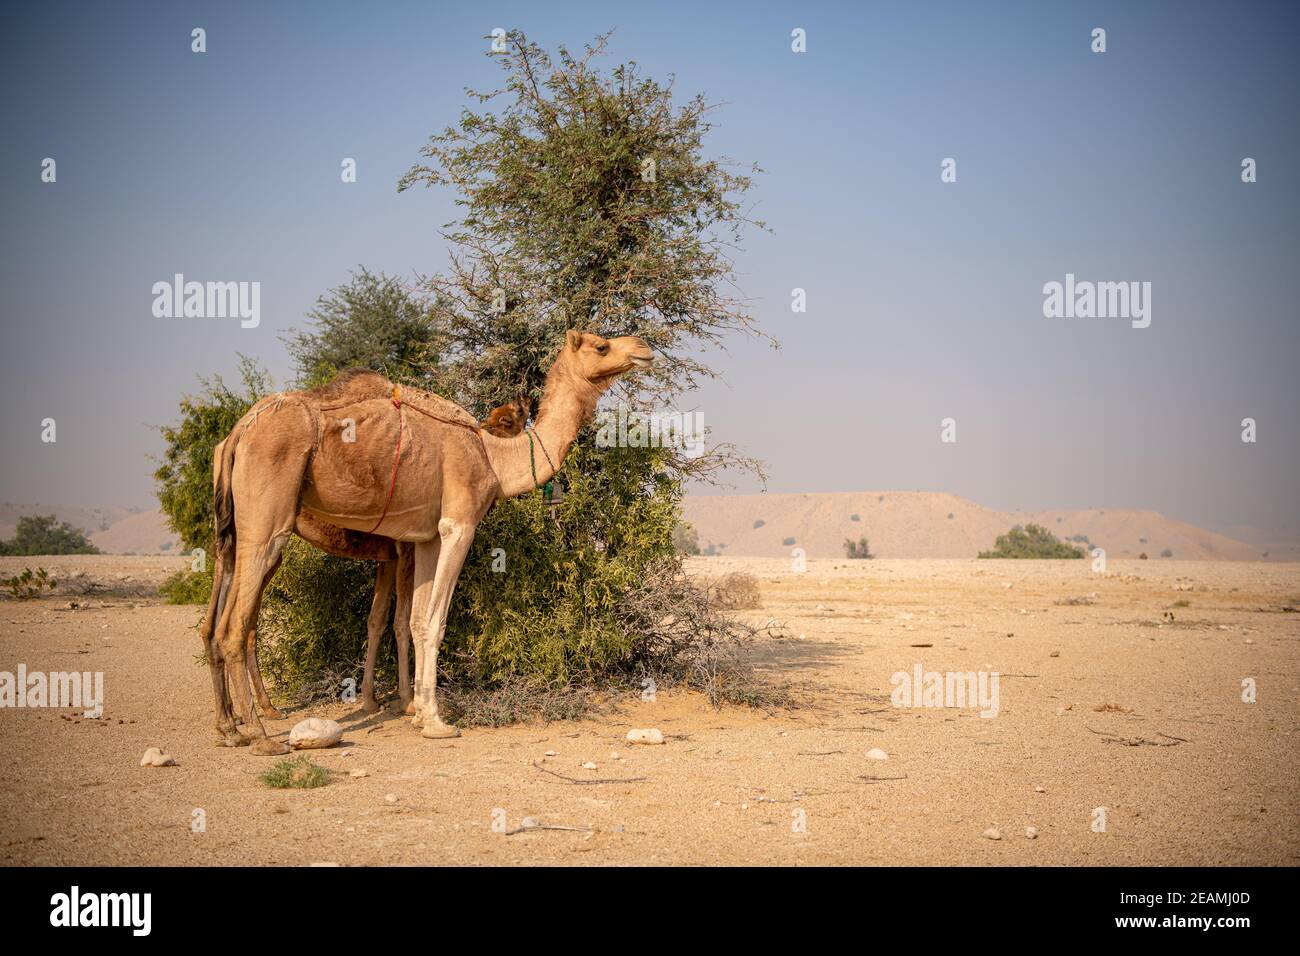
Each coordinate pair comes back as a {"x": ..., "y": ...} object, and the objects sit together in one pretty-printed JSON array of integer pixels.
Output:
[
  {"x": 376, "y": 624},
  {"x": 256, "y": 558},
  {"x": 218, "y": 604},
  {"x": 269, "y": 710}
]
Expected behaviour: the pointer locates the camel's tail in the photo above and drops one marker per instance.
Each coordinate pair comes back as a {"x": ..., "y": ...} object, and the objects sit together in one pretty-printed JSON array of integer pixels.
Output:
[
  {"x": 223, "y": 497},
  {"x": 223, "y": 517}
]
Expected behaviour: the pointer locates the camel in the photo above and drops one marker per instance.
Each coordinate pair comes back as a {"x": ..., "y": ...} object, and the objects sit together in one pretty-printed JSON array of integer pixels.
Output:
[
  {"x": 394, "y": 566},
  {"x": 415, "y": 464},
  {"x": 506, "y": 421}
]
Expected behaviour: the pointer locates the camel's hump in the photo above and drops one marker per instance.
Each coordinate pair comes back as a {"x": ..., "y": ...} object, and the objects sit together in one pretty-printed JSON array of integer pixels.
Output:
[{"x": 359, "y": 385}]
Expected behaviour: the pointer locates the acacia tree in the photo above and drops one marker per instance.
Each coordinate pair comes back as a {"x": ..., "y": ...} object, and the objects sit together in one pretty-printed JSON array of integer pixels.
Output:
[{"x": 587, "y": 202}]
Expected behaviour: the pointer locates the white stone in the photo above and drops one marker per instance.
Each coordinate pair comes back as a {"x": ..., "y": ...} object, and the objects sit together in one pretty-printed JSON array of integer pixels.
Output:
[
  {"x": 993, "y": 833},
  {"x": 314, "y": 733},
  {"x": 875, "y": 753},
  {"x": 650, "y": 735},
  {"x": 1031, "y": 833},
  {"x": 153, "y": 757}
]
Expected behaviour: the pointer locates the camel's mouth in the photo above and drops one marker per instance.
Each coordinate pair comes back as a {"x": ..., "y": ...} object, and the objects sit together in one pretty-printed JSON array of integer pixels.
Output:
[{"x": 641, "y": 361}]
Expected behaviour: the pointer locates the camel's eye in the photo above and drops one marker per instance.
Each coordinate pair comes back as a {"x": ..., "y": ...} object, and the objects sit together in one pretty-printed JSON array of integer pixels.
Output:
[{"x": 602, "y": 349}]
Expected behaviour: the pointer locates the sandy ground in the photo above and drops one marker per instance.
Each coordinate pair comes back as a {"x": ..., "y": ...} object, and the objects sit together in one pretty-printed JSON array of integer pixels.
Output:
[{"x": 1107, "y": 704}]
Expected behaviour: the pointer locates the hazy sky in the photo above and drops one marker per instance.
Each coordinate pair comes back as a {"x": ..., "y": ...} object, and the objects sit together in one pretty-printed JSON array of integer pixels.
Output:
[{"x": 924, "y": 298}]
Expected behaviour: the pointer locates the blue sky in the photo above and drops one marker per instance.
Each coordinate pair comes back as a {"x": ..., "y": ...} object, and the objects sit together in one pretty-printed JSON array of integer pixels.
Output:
[{"x": 924, "y": 298}]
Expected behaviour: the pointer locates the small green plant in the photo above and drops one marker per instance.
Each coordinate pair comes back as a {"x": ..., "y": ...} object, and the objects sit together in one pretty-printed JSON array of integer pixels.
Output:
[
  {"x": 187, "y": 587},
  {"x": 685, "y": 539},
  {"x": 1031, "y": 541},
  {"x": 857, "y": 550},
  {"x": 30, "y": 584},
  {"x": 1183, "y": 603},
  {"x": 296, "y": 773},
  {"x": 787, "y": 541}
]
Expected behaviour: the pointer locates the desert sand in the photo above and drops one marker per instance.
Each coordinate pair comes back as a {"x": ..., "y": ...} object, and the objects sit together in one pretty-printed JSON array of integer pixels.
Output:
[{"x": 1128, "y": 699}]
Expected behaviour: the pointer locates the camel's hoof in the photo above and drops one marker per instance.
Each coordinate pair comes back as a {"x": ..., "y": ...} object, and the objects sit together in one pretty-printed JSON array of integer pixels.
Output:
[
  {"x": 439, "y": 731},
  {"x": 272, "y": 714},
  {"x": 266, "y": 747},
  {"x": 232, "y": 738},
  {"x": 409, "y": 709},
  {"x": 369, "y": 705}
]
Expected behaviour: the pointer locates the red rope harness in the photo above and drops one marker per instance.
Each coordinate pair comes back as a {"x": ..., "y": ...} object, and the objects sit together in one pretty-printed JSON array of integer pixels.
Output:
[{"x": 397, "y": 457}]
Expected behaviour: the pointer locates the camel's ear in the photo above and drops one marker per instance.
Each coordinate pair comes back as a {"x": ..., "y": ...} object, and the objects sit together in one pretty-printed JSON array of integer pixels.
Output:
[{"x": 574, "y": 339}]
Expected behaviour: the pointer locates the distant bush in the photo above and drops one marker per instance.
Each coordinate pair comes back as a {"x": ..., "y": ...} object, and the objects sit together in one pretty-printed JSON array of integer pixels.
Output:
[
  {"x": 950, "y": 515},
  {"x": 42, "y": 534},
  {"x": 787, "y": 541},
  {"x": 187, "y": 587},
  {"x": 685, "y": 539},
  {"x": 1031, "y": 541},
  {"x": 296, "y": 773},
  {"x": 737, "y": 591},
  {"x": 1166, "y": 553},
  {"x": 857, "y": 550},
  {"x": 855, "y": 517},
  {"x": 759, "y": 523},
  {"x": 29, "y": 584}
]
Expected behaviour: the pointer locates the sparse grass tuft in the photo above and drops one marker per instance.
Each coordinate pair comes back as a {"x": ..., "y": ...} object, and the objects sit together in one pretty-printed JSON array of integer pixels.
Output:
[{"x": 296, "y": 773}]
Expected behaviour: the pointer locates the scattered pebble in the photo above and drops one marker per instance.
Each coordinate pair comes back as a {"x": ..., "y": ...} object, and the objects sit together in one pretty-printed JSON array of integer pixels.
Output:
[
  {"x": 1054, "y": 654},
  {"x": 1039, "y": 790},
  {"x": 530, "y": 823},
  {"x": 650, "y": 735},
  {"x": 1031, "y": 833},
  {"x": 875, "y": 753},
  {"x": 993, "y": 833},
  {"x": 551, "y": 753},
  {"x": 588, "y": 766},
  {"x": 314, "y": 733},
  {"x": 153, "y": 757},
  {"x": 359, "y": 773},
  {"x": 390, "y": 798}
]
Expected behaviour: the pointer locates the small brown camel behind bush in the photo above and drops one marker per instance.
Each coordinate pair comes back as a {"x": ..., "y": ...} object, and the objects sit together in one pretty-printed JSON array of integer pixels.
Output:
[{"x": 342, "y": 457}]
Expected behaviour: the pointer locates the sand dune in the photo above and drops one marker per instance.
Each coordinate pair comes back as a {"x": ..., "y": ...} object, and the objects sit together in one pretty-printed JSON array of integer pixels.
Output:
[{"x": 917, "y": 524}]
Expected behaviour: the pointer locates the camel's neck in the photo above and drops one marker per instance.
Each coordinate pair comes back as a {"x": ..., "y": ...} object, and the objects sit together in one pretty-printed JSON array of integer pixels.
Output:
[{"x": 567, "y": 403}]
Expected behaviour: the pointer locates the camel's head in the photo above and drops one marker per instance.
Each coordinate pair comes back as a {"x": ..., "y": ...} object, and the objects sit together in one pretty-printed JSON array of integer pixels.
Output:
[{"x": 600, "y": 360}]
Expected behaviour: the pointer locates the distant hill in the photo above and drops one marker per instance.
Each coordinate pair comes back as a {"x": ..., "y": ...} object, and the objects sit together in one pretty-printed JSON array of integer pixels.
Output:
[
  {"x": 918, "y": 524},
  {"x": 113, "y": 530}
]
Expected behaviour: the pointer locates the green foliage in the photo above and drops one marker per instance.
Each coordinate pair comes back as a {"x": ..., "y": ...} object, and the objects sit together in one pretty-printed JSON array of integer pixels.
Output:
[
  {"x": 857, "y": 550},
  {"x": 371, "y": 321},
  {"x": 44, "y": 534},
  {"x": 184, "y": 479},
  {"x": 296, "y": 773},
  {"x": 29, "y": 584},
  {"x": 787, "y": 541},
  {"x": 187, "y": 587},
  {"x": 1031, "y": 541},
  {"x": 685, "y": 539}
]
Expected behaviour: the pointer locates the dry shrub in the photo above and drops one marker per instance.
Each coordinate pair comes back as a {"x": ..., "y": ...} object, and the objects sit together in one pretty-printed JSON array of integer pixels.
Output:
[
  {"x": 736, "y": 591},
  {"x": 689, "y": 640}
]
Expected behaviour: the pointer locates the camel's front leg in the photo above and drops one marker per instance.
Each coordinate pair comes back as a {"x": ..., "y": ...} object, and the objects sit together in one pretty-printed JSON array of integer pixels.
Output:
[
  {"x": 385, "y": 574},
  {"x": 435, "y": 580}
]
